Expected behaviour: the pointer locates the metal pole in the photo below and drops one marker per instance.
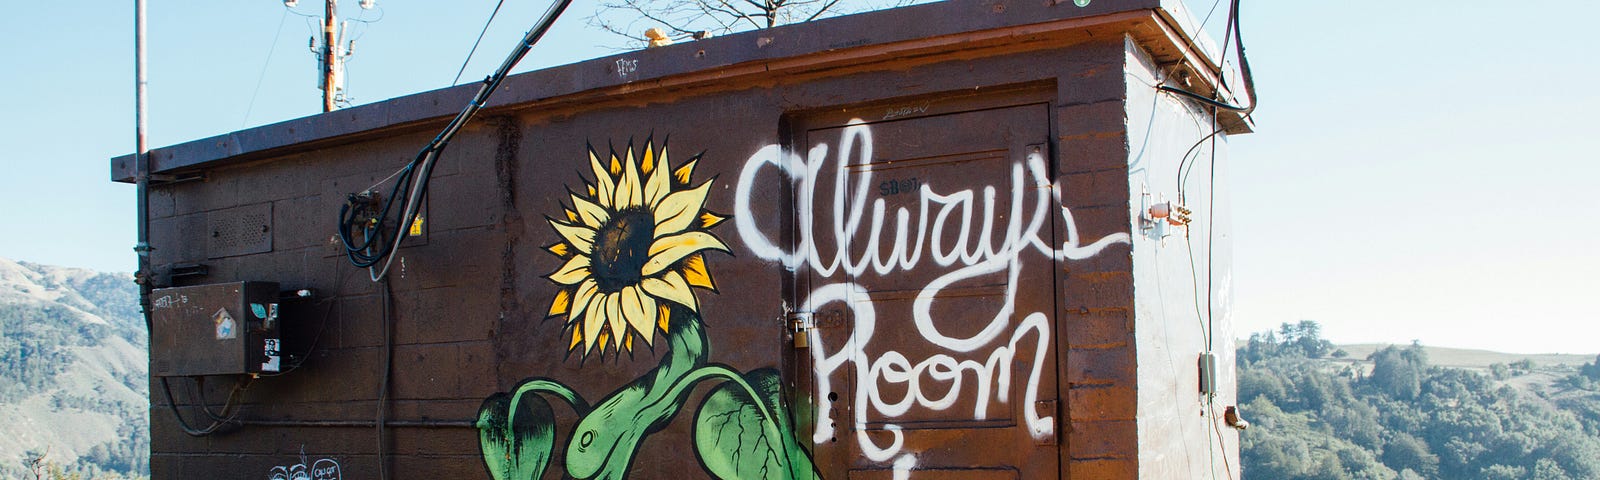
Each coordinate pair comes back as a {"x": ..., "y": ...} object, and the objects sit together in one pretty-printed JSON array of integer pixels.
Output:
[
  {"x": 330, "y": 56},
  {"x": 141, "y": 161}
]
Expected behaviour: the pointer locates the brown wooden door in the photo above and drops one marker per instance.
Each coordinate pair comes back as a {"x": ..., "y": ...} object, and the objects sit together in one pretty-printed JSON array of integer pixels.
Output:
[{"x": 924, "y": 292}]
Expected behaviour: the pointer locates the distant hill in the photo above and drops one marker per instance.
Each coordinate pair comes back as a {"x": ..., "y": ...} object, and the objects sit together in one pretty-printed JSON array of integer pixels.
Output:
[
  {"x": 1468, "y": 358},
  {"x": 73, "y": 371}
]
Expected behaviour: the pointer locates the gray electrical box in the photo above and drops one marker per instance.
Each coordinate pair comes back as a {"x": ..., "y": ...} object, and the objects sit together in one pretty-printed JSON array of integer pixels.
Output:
[{"x": 219, "y": 329}]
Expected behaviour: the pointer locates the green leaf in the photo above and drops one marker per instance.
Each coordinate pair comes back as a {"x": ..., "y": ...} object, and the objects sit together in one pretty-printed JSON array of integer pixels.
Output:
[
  {"x": 735, "y": 440},
  {"x": 516, "y": 434}
]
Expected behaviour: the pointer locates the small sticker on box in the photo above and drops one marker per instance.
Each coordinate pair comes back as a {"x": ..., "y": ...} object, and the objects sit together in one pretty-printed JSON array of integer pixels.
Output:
[
  {"x": 226, "y": 328},
  {"x": 271, "y": 349}
]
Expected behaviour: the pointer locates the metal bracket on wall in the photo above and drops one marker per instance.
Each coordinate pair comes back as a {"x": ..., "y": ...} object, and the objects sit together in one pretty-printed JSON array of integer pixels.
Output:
[
  {"x": 164, "y": 179},
  {"x": 1158, "y": 218},
  {"x": 174, "y": 274}
]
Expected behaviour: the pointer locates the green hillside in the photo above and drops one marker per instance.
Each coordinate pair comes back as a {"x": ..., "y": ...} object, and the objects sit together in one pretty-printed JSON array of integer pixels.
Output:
[
  {"x": 73, "y": 374},
  {"x": 1326, "y": 412}
]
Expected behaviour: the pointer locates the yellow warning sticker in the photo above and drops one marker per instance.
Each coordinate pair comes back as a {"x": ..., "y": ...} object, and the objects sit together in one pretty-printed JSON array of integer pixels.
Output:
[{"x": 416, "y": 227}]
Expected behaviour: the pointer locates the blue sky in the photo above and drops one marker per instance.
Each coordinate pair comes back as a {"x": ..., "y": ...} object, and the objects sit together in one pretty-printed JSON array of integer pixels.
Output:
[{"x": 1421, "y": 170}]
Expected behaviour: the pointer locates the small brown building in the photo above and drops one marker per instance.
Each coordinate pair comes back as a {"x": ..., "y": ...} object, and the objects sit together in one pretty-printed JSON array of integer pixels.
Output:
[{"x": 966, "y": 240}]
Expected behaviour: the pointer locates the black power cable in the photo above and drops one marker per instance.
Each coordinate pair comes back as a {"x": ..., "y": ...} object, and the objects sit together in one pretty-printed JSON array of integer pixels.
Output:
[
  {"x": 1244, "y": 71},
  {"x": 230, "y": 409},
  {"x": 383, "y": 389},
  {"x": 362, "y": 217}
]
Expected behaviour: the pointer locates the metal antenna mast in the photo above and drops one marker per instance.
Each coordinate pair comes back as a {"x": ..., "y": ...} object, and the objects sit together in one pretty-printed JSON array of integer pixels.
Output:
[{"x": 330, "y": 55}]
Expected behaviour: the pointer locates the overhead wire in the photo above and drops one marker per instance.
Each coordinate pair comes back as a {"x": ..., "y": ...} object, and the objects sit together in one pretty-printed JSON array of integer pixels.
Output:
[
  {"x": 263, "y": 76},
  {"x": 476, "y": 42}
]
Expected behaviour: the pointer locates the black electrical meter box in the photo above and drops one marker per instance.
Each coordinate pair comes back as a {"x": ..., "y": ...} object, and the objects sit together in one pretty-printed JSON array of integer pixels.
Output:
[{"x": 219, "y": 329}]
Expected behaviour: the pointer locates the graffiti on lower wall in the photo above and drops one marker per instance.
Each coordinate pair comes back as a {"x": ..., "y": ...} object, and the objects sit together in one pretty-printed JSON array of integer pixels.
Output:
[
  {"x": 977, "y": 365},
  {"x": 633, "y": 244},
  {"x": 322, "y": 469}
]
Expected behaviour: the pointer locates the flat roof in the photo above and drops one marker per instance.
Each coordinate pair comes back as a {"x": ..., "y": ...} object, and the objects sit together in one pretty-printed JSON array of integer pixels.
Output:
[{"x": 737, "y": 61}]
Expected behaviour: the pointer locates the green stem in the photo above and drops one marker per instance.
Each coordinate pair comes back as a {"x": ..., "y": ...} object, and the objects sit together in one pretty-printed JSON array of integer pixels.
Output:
[
  {"x": 554, "y": 388},
  {"x": 605, "y": 440}
]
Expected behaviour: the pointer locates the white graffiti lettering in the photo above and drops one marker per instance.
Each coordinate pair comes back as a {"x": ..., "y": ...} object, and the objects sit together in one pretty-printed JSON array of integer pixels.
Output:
[{"x": 937, "y": 234}]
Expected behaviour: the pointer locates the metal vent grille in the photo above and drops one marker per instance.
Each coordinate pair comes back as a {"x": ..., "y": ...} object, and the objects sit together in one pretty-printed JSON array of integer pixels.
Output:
[{"x": 239, "y": 231}]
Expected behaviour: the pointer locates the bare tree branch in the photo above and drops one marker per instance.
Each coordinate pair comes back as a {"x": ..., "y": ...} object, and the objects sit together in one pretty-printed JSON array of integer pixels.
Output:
[
  {"x": 623, "y": 18},
  {"x": 824, "y": 9}
]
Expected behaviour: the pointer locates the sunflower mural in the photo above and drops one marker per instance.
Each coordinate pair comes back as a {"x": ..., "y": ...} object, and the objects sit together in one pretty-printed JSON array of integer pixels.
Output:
[{"x": 633, "y": 245}]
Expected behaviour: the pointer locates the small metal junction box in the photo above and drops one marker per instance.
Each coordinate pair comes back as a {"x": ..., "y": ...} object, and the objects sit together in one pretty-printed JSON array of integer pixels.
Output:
[{"x": 218, "y": 329}]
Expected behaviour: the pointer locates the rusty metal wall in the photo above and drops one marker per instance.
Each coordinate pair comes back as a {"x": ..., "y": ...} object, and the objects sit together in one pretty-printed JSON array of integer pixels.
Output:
[{"x": 907, "y": 263}]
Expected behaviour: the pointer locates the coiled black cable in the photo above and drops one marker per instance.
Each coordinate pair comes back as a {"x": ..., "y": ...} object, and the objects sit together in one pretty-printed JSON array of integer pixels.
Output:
[{"x": 360, "y": 219}]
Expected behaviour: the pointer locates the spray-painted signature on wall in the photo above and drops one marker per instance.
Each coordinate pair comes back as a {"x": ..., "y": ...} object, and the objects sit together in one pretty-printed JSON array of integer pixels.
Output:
[
  {"x": 939, "y": 217},
  {"x": 322, "y": 469}
]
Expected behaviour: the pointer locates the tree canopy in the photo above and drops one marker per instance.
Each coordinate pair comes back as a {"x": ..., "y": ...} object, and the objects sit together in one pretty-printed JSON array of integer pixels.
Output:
[{"x": 1405, "y": 418}]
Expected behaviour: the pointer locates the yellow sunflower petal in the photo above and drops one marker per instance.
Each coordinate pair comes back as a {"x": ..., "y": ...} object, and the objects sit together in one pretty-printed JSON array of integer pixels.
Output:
[
  {"x": 658, "y": 185},
  {"x": 640, "y": 310},
  {"x": 671, "y": 287},
  {"x": 605, "y": 337},
  {"x": 562, "y": 302},
  {"x": 630, "y": 191},
  {"x": 669, "y": 250},
  {"x": 694, "y": 270},
  {"x": 559, "y": 249},
  {"x": 576, "y": 270},
  {"x": 679, "y": 210},
  {"x": 683, "y": 173},
  {"x": 708, "y": 219},
  {"x": 577, "y": 338},
  {"x": 628, "y": 344},
  {"x": 593, "y": 215},
  {"x": 663, "y": 317},
  {"x": 604, "y": 185},
  {"x": 571, "y": 215},
  {"x": 581, "y": 298},
  {"x": 614, "y": 318},
  {"x": 594, "y": 317},
  {"x": 647, "y": 163},
  {"x": 578, "y": 236},
  {"x": 616, "y": 165}
]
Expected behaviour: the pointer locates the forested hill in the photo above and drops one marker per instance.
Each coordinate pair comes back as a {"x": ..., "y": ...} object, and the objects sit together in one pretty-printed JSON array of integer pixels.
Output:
[
  {"x": 73, "y": 388},
  {"x": 1316, "y": 413}
]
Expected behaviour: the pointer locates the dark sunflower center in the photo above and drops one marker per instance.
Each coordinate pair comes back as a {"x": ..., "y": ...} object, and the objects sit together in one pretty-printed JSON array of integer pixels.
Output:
[{"x": 621, "y": 246}]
